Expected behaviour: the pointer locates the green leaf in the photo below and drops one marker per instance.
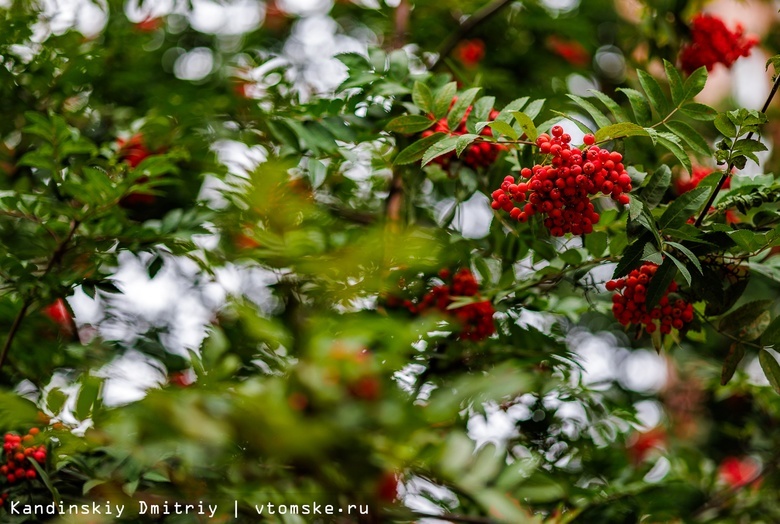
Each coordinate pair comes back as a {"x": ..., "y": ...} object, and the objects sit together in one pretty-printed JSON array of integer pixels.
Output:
[
  {"x": 55, "y": 400},
  {"x": 440, "y": 148},
  {"x": 634, "y": 207},
  {"x": 683, "y": 208},
  {"x": 681, "y": 268},
  {"x": 771, "y": 368},
  {"x": 503, "y": 128},
  {"x": 422, "y": 97},
  {"x": 526, "y": 124},
  {"x": 658, "y": 286},
  {"x": 698, "y": 111},
  {"x": 688, "y": 254},
  {"x": 596, "y": 243},
  {"x": 409, "y": 124},
  {"x": 620, "y": 130},
  {"x": 690, "y": 136},
  {"x": 88, "y": 396},
  {"x": 695, "y": 83},
  {"x": 534, "y": 108},
  {"x": 653, "y": 91},
  {"x": 460, "y": 107},
  {"x": 675, "y": 83},
  {"x": 771, "y": 335},
  {"x": 656, "y": 186},
  {"x": 443, "y": 99},
  {"x": 594, "y": 112},
  {"x": 505, "y": 115},
  {"x": 481, "y": 112},
  {"x": 631, "y": 257},
  {"x": 747, "y": 321},
  {"x": 730, "y": 363},
  {"x": 415, "y": 151},
  {"x": 464, "y": 141},
  {"x": 580, "y": 125},
  {"x": 671, "y": 142},
  {"x": 613, "y": 106},
  {"x": 639, "y": 105},
  {"x": 725, "y": 126},
  {"x": 652, "y": 254}
]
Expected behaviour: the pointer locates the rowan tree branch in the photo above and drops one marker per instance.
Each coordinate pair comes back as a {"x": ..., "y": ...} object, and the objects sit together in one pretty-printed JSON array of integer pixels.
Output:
[
  {"x": 466, "y": 27},
  {"x": 727, "y": 172},
  {"x": 55, "y": 259}
]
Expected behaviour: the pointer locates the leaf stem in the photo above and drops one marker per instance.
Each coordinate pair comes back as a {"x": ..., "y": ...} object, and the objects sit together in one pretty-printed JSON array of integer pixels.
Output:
[{"x": 727, "y": 172}]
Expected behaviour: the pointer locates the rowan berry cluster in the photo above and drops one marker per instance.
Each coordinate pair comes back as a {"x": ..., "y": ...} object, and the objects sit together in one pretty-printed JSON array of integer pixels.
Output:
[
  {"x": 629, "y": 304},
  {"x": 478, "y": 154},
  {"x": 712, "y": 43},
  {"x": 18, "y": 452},
  {"x": 475, "y": 317},
  {"x": 560, "y": 187}
]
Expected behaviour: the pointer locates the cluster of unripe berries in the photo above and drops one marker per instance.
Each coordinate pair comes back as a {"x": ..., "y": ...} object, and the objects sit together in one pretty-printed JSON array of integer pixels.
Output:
[
  {"x": 559, "y": 188},
  {"x": 629, "y": 304},
  {"x": 478, "y": 154},
  {"x": 18, "y": 452},
  {"x": 476, "y": 317}
]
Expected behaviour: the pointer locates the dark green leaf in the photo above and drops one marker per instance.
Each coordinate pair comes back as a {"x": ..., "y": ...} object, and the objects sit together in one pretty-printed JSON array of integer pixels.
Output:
[
  {"x": 681, "y": 267},
  {"x": 639, "y": 105},
  {"x": 653, "y": 91},
  {"x": 502, "y": 128},
  {"x": 695, "y": 83},
  {"x": 460, "y": 107},
  {"x": 734, "y": 357},
  {"x": 596, "y": 243},
  {"x": 632, "y": 257},
  {"x": 526, "y": 124},
  {"x": 771, "y": 368},
  {"x": 422, "y": 97},
  {"x": 683, "y": 208},
  {"x": 690, "y": 136},
  {"x": 688, "y": 254},
  {"x": 698, "y": 111},
  {"x": 409, "y": 124},
  {"x": 620, "y": 130},
  {"x": 613, "y": 106},
  {"x": 415, "y": 151},
  {"x": 771, "y": 336},
  {"x": 675, "y": 83},
  {"x": 670, "y": 142},
  {"x": 464, "y": 141},
  {"x": 658, "y": 286},
  {"x": 443, "y": 99},
  {"x": 656, "y": 186},
  {"x": 594, "y": 112},
  {"x": 440, "y": 148},
  {"x": 743, "y": 320}
]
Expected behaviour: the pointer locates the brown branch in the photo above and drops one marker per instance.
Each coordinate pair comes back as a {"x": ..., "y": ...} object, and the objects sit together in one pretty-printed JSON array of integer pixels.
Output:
[
  {"x": 727, "y": 172},
  {"x": 55, "y": 259},
  {"x": 402, "y": 14},
  {"x": 466, "y": 27}
]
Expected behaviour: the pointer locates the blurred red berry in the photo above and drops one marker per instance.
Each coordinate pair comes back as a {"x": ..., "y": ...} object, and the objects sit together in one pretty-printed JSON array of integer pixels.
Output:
[
  {"x": 570, "y": 50},
  {"x": 737, "y": 472},
  {"x": 713, "y": 43},
  {"x": 470, "y": 52}
]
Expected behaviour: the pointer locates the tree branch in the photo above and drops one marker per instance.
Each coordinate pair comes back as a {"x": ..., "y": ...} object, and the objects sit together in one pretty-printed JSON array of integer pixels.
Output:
[
  {"x": 727, "y": 172},
  {"x": 55, "y": 259},
  {"x": 466, "y": 27}
]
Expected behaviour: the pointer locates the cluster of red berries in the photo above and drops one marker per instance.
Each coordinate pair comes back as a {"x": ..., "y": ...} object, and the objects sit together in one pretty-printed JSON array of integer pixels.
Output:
[
  {"x": 134, "y": 151},
  {"x": 476, "y": 317},
  {"x": 560, "y": 189},
  {"x": 17, "y": 451},
  {"x": 478, "y": 154},
  {"x": 470, "y": 52},
  {"x": 687, "y": 182},
  {"x": 712, "y": 43},
  {"x": 630, "y": 307}
]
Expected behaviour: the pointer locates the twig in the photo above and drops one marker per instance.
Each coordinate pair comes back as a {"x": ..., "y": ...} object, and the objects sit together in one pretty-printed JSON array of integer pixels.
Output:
[
  {"x": 14, "y": 328},
  {"x": 727, "y": 172},
  {"x": 402, "y": 13},
  {"x": 466, "y": 27},
  {"x": 53, "y": 261}
]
